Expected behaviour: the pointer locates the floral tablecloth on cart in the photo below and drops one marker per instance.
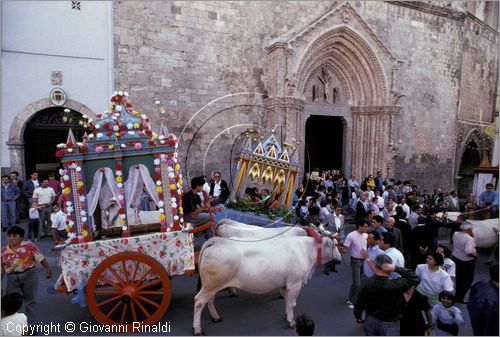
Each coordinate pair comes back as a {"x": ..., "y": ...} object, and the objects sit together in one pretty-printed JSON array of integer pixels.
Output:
[{"x": 174, "y": 250}]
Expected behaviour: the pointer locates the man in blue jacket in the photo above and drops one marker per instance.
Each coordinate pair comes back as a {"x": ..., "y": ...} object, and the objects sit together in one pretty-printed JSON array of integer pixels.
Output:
[{"x": 10, "y": 193}]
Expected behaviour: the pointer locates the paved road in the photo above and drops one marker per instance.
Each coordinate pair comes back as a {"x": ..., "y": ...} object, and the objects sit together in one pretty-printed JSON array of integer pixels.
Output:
[{"x": 323, "y": 298}]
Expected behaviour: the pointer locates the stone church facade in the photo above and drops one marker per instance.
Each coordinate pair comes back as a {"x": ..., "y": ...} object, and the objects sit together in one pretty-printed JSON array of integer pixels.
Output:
[{"x": 413, "y": 83}]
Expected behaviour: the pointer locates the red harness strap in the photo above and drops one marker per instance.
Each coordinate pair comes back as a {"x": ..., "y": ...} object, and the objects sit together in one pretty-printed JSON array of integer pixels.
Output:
[{"x": 313, "y": 233}]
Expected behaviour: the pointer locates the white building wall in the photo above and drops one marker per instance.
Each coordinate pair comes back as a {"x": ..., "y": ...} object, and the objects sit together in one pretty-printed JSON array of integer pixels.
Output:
[{"x": 39, "y": 37}]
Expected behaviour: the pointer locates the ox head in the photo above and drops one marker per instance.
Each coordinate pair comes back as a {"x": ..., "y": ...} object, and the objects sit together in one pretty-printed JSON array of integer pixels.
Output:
[{"x": 330, "y": 250}]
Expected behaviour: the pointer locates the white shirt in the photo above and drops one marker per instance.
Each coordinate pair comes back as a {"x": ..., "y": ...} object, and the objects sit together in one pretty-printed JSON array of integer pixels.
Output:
[
  {"x": 371, "y": 195},
  {"x": 439, "y": 311},
  {"x": 43, "y": 195},
  {"x": 385, "y": 195},
  {"x": 454, "y": 201},
  {"x": 10, "y": 325},
  {"x": 433, "y": 282},
  {"x": 36, "y": 184},
  {"x": 373, "y": 252},
  {"x": 380, "y": 202},
  {"x": 338, "y": 220},
  {"x": 58, "y": 220},
  {"x": 356, "y": 242},
  {"x": 206, "y": 188},
  {"x": 463, "y": 244},
  {"x": 397, "y": 259},
  {"x": 217, "y": 189},
  {"x": 406, "y": 208},
  {"x": 33, "y": 213},
  {"x": 328, "y": 183},
  {"x": 449, "y": 267}
]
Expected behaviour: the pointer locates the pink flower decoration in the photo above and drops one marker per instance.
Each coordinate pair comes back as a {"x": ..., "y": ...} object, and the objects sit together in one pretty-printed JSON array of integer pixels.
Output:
[
  {"x": 99, "y": 149},
  {"x": 138, "y": 146},
  {"x": 157, "y": 169}
]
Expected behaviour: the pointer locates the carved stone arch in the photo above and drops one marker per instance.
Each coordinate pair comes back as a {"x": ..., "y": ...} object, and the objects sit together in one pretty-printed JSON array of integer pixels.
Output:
[
  {"x": 350, "y": 54},
  {"x": 19, "y": 123},
  {"x": 473, "y": 135},
  {"x": 18, "y": 126},
  {"x": 342, "y": 41},
  {"x": 344, "y": 88},
  {"x": 463, "y": 170}
]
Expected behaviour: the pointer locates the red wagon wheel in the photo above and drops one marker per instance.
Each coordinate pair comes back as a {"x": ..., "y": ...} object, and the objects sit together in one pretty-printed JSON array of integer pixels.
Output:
[{"x": 128, "y": 287}]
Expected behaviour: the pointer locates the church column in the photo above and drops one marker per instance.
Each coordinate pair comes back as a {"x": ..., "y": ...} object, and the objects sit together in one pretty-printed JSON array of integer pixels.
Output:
[
  {"x": 372, "y": 140},
  {"x": 285, "y": 112},
  {"x": 16, "y": 149}
]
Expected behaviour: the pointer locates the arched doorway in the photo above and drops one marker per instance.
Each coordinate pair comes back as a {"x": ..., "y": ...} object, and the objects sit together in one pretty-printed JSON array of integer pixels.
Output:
[
  {"x": 43, "y": 132},
  {"x": 324, "y": 143},
  {"x": 470, "y": 159}
]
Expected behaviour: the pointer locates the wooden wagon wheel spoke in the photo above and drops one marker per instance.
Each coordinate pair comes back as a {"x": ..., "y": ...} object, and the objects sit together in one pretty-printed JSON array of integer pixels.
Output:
[
  {"x": 115, "y": 274},
  {"x": 109, "y": 300},
  {"x": 107, "y": 281},
  {"x": 113, "y": 309},
  {"x": 135, "y": 271},
  {"x": 132, "y": 308},
  {"x": 144, "y": 311},
  {"x": 143, "y": 277},
  {"x": 153, "y": 282},
  {"x": 125, "y": 271},
  {"x": 149, "y": 292},
  {"x": 134, "y": 300},
  {"x": 147, "y": 300},
  {"x": 124, "y": 312}
]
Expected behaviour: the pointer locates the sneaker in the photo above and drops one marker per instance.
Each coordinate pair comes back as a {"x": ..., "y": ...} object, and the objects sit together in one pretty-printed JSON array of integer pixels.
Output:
[{"x": 350, "y": 305}]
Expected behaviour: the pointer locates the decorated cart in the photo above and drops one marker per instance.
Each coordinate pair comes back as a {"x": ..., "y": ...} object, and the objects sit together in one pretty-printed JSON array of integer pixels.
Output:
[
  {"x": 265, "y": 163},
  {"x": 120, "y": 252}
]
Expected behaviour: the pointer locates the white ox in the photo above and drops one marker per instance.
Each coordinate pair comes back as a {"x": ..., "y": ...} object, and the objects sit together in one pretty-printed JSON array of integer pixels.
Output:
[
  {"x": 485, "y": 231},
  {"x": 229, "y": 228},
  {"x": 285, "y": 263}
]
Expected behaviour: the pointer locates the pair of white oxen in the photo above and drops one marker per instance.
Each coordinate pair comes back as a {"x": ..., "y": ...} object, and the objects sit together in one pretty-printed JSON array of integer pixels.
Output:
[{"x": 258, "y": 260}]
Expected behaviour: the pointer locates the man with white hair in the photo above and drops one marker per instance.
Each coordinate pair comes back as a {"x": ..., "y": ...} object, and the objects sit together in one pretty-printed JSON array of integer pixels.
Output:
[{"x": 465, "y": 255}]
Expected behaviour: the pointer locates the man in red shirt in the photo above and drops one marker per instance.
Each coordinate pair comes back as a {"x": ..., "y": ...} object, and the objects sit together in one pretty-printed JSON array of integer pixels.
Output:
[
  {"x": 19, "y": 260},
  {"x": 55, "y": 185}
]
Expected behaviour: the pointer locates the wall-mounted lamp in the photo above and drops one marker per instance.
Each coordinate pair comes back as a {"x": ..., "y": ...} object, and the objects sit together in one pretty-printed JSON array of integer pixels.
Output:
[{"x": 66, "y": 117}]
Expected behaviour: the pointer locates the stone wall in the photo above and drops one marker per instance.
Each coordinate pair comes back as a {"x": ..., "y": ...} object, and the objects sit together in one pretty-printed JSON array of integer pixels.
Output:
[{"x": 203, "y": 59}]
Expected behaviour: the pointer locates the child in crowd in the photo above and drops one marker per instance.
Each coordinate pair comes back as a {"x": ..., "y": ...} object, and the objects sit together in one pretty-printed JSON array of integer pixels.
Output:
[
  {"x": 448, "y": 264},
  {"x": 12, "y": 322},
  {"x": 58, "y": 219},
  {"x": 34, "y": 222},
  {"x": 447, "y": 317}
]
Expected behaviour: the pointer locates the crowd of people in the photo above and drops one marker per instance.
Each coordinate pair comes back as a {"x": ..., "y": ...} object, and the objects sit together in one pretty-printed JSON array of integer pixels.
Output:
[{"x": 403, "y": 280}]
